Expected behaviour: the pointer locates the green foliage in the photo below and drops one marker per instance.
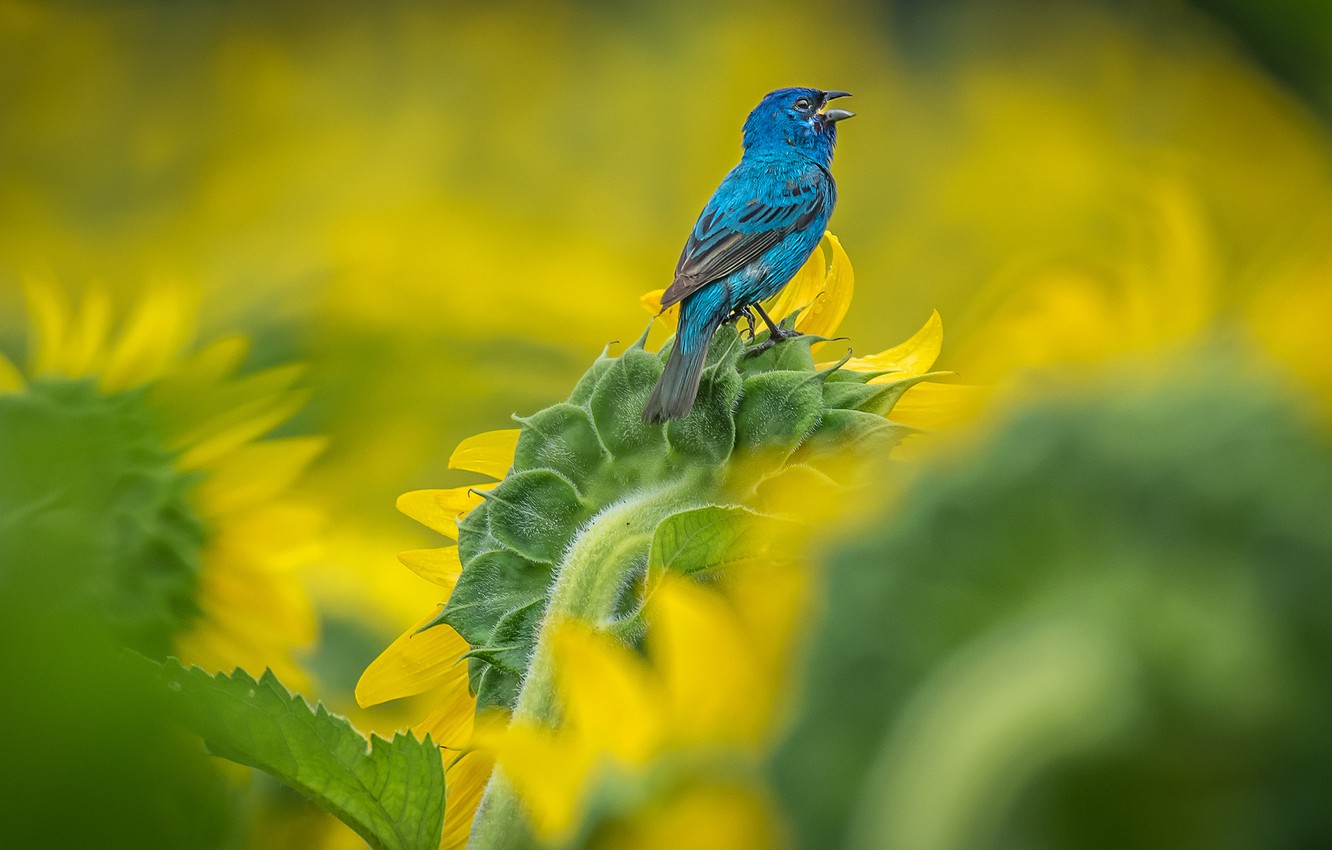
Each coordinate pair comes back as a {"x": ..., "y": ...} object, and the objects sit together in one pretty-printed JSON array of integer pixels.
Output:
[
  {"x": 707, "y": 538},
  {"x": 91, "y": 755},
  {"x": 1106, "y": 627},
  {"x": 390, "y": 792},
  {"x": 576, "y": 460},
  {"x": 94, "y": 519}
]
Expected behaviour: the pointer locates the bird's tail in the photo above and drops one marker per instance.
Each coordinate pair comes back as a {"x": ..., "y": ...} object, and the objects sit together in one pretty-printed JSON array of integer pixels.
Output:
[{"x": 673, "y": 396}]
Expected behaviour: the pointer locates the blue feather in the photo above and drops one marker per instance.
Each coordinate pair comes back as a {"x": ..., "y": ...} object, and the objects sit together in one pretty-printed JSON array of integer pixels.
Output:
[{"x": 760, "y": 226}]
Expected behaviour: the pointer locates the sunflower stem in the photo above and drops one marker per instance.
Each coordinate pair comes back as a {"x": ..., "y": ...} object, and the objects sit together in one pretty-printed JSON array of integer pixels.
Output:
[{"x": 592, "y": 576}]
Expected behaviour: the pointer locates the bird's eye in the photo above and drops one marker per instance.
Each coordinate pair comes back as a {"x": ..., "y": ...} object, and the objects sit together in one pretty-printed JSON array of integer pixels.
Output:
[{"x": 802, "y": 103}]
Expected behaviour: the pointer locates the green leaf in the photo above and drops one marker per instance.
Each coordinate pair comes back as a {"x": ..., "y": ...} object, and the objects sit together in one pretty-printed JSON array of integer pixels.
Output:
[
  {"x": 706, "y": 538},
  {"x": 390, "y": 792},
  {"x": 474, "y": 537},
  {"x": 725, "y": 349}
]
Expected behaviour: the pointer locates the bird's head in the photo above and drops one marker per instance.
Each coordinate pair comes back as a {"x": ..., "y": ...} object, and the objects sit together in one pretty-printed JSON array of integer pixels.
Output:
[{"x": 796, "y": 117}]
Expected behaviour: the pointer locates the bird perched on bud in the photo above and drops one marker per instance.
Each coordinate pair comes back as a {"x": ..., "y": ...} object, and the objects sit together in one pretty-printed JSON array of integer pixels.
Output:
[{"x": 762, "y": 223}]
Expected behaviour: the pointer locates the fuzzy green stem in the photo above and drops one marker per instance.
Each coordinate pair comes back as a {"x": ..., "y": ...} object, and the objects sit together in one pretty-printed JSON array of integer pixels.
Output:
[{"x": 588, "y": 586}]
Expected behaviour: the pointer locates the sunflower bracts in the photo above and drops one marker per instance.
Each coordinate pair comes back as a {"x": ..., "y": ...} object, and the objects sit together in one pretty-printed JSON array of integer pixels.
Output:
[{"x": 600, "y": 500}]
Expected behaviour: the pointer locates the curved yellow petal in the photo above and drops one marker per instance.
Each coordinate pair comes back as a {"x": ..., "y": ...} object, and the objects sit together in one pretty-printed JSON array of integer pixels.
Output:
[
  {"x": 438, "y": 566},
  {"x": 668, "y": 318},
  {"x": 827, "y": 310},
  {"x": 210, "y": 364},
  {"x": 931, "y": 406},
  {"x": 803, "y": 289},
  {"x": 709, "y": 814},
  {"x": 256, "y": 473},
  {"x": 257, "y": 420},
  {"x": 489, "y": 453},
  {"x": 49, "y": 318},
  {"x": 651, "y": 301},
  {"x": 550, "y": 773},
  {"x": 11, "y": 379},
  {"x": 413, "y": 664},
  {"x": 913, "y": 357},
  {"x": 87, "y": 333},
  {"x": 451, "y": 718},
  {"x": 439, "y": 510},
  {"x": 608, "y": 694},
  {"x": 698, "y": 644},
  {"x": 465, "y": 782},
  {"x": 160, "y": 327}
]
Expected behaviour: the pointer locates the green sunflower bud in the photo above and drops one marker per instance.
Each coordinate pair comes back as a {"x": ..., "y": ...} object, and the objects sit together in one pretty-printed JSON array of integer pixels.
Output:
[
  {"x": 94, "y": 517},
  {"x": 597, "y": 499}
]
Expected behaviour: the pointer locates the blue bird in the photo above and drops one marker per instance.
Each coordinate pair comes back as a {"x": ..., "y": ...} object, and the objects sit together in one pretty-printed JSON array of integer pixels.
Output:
[{"x": 762, "y": 223}]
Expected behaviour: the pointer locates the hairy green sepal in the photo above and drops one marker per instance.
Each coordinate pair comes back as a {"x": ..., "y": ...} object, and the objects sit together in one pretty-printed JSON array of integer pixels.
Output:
[{"x": 598, "y": 501}]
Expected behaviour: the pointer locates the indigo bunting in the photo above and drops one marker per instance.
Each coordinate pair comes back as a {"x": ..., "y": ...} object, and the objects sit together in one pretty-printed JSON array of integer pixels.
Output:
[{"x": 762, "y": 223}]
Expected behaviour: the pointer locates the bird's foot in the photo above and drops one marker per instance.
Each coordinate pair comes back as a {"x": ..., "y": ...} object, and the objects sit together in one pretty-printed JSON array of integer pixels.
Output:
[
  {"x": 776, "y": 334},
  {"x": 781, "y": 335},
  {"x": 748, "y": 316}
]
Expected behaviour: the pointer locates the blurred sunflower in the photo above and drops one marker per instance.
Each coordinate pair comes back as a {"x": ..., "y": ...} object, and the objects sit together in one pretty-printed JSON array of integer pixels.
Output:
[
  {"x": 717, "y": 659},
  {"x": 137, "y": 484},
  {"x": 427, "y": 662}
]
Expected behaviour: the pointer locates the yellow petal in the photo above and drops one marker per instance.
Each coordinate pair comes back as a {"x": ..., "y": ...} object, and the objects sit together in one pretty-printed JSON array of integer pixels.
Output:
[
  {"x": 160, "y": 327},
  {"x": 489, "y": 453},
  {"x": 827, "y": 310},
  {"x": 931, "y": 406},
  {"x": 913, "y": 357},
  {"x": 256, "y": 473},
  {"x": 413, "y": 664},
  {"x": 279, "y": 536},
  {"x": 219, "y": 358},
  {"x": 550, "y": 773},
  {"x": 210, "y": 364},
  {"x": 608, "y": 694},
  {"x": 437, "y": 566},
  {"x": 48, "y": 312},
  {"x": 703, "y": 815},
  {"x": 668, "y": 318},
  {"x": 803, "y": 289},
  {"x": 11, "y": 379},
  {"x": 87, "y": 339},
  {"x": 244, "y": 424},
  {"x": 465, "y": 782},
  {"x": 450, "y": 720},
  {"x": 651, "y": 301},
  {"x": 772, "y": 600},
  {"x": 710, "y": 675},
  {"x": 439, "y": 509}
]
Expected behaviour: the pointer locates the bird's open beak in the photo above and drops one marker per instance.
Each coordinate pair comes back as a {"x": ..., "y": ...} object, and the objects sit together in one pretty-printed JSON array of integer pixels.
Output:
[{"x": 832, "y": 116}]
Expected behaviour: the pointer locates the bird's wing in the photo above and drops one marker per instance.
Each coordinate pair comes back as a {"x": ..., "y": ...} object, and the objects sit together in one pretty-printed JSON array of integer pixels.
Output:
[{"x": 737, "y": 226}]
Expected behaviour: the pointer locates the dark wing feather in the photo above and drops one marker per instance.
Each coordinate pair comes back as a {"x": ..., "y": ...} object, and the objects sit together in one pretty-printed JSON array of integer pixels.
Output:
[{"x": 729, "y": 237}]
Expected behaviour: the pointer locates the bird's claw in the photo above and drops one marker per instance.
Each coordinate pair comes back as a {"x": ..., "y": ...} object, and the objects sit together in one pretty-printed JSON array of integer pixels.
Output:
[
  {"x": 760, "y": 348},
  {"x": 781, "y": 336},
  {"x": 748, "y": 315}
]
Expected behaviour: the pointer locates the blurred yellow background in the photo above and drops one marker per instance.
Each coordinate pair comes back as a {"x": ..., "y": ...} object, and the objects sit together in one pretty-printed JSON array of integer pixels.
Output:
[{"x": 447, "y": 210}]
